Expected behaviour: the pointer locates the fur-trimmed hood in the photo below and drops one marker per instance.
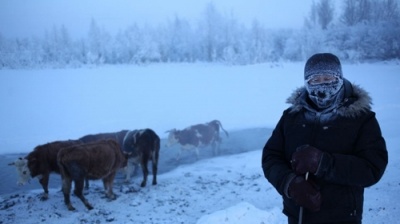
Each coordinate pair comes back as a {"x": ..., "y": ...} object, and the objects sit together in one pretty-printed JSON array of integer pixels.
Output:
[{"x": 356, "y": 100}]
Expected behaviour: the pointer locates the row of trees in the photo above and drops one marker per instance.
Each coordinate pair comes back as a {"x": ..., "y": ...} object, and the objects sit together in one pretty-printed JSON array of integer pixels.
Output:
[{"x": 360, "y": 30}]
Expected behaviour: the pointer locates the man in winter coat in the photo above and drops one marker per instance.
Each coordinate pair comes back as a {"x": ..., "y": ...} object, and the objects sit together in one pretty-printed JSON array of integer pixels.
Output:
[{"x": 326, "y": 148}]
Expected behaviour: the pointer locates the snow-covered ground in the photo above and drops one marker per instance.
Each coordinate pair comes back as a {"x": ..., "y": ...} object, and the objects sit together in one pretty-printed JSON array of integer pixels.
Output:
[
  {"x": 46, "y": 105},
  {"x": 183, "y": 195}
]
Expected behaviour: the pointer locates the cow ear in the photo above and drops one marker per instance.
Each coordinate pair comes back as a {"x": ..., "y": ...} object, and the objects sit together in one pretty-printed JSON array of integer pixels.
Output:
[{"x": 12, "y": 164}]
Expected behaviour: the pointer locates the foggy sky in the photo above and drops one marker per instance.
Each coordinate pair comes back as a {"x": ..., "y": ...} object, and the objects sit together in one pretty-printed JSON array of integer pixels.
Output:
[{"x": 24, "y": 18}]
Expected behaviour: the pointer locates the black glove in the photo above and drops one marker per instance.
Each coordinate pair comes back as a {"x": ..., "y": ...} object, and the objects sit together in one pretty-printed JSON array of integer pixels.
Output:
[
  {"x": 306, "y": 159},
  {"x": 305, "y": 194}
]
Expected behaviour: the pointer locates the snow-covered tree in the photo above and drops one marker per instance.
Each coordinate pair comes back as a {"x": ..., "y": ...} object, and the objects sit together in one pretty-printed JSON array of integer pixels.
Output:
[
  {"x": 177, "y": 41},
  {"x": 98, "y": 44},
  {"x": 210, "y": 33}
]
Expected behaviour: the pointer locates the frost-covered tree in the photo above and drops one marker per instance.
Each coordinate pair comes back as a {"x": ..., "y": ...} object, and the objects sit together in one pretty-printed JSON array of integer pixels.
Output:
[
  {"x": 325, "y": 11},
  {"x": 310, "y": 22},
  {"x": 356, "y": 11},
  {"x": 373, "y": 27},
  {"x": 234, "y": 41},
  {"x": 210, "y": 33},
  {"x": 8, "y": 53},
  {"x": 176, "y": 40},
  {"x": 57, "y": 47},
  {"x": 98, "y": 44},
  {"x": 364, "y": 30},
  {"x": 258, "y": 44},
  {"x": 321, "y": 15},
  {"x": 386, "y": 10}
]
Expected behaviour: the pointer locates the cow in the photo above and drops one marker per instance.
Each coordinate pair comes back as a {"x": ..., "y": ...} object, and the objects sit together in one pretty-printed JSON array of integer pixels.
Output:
[
  {"x": 130, "y": 167},
  {"x": 117, "y": 136},
  {"x": 93, "y": 161},
  {"x": 197, "y": 136},
  {"x": 40, "y": 163},
  {"x": 141, "y": 146}
]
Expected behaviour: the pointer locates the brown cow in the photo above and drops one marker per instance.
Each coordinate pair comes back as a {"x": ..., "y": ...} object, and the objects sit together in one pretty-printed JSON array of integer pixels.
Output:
[
  {"x": 40, "y": 163},
  {"x": 197, "y": 136},
  {"x": 98, "y": 160},
  {"x": 141, "y": 146},
  {"x": 128, "y": 169}
]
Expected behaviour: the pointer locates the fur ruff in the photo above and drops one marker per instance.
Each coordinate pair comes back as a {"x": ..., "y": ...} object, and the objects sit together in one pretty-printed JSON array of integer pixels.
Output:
[{"x": 354, "y": 103}]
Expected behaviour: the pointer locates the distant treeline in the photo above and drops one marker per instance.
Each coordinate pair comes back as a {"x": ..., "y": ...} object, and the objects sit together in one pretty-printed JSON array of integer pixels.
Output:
[{"x": 361, "y": 30}]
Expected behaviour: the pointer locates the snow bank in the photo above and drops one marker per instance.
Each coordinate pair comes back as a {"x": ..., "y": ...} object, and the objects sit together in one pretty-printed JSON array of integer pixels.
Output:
[{"x": 243, "y": 213}]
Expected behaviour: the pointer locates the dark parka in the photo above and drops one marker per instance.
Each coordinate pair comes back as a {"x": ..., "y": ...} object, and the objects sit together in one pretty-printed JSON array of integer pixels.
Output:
[{"x": 354, "y": 153}]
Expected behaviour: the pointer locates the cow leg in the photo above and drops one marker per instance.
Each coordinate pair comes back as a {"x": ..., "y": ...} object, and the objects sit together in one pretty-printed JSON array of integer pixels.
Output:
[
  {"x": 154, "y": 173},
  {"x": 155, "y": 167},
  {"x": 143, "y": 164},
  {"x": 131, "y": 168},
  {"x": 77, "y": 174},
  {"x": 66, "y": 188},
  {"x": 44, "y": 181},
  {"x": 128, "y": 171},
  {"x": 79, "y": 184},
  {"x": 108, "y": 183},
  {"x": 86, "y": 183}
]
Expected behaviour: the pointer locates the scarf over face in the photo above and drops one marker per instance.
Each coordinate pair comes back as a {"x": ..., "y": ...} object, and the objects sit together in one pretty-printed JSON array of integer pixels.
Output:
[
  {"x": 324, "y": 94},
  {"x": 323, "y": 80}
]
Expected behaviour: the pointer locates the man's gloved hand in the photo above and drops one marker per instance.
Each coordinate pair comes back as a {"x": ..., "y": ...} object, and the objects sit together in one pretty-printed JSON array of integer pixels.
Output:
[
  {"x": 305, "y": 194},
  {"x": 306, "y": 159}
]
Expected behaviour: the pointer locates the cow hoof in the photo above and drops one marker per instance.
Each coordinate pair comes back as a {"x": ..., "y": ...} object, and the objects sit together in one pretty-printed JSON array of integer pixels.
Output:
[
  {"x": 111, "y": 197},
  {"x": 44, "y": 197},
  {"x": 154, "y": 182},
  {"x": 143, "y": 185},
  {"x": 71, "y": 208}
]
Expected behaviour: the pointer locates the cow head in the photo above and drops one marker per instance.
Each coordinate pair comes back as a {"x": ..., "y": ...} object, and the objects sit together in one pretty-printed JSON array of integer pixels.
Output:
[
  {"x": 23, "y": 172},
  {"x": 130, "y": 143},
  {"x": 172, "y": 138},
  {"x": 34, "y": 164}
]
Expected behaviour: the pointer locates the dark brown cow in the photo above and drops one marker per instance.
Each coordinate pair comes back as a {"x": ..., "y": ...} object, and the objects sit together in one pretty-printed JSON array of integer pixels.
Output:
[
  {"x": 98, "y": 160},
  {"x": 141, "y": 146},
  {"x": 41, "y": 162},
  {"x": 197, "y": 136}
]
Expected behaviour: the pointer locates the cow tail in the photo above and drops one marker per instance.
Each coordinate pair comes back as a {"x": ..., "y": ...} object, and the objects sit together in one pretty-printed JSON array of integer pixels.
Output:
[
  {"x": 61, "y": 165},
  {"x": 220, "y": 125}
]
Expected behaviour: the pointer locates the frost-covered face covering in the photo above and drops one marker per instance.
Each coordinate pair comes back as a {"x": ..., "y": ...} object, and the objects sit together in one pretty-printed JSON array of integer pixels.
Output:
[
  {"x": 323, "y": 89},
  {"x": 323, "y": 79}
]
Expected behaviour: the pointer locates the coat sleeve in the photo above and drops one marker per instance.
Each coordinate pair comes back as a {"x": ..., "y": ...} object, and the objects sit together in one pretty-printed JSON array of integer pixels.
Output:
[
  {"x": 365, "y": 166},
  {"x": 275, "y": 166}
]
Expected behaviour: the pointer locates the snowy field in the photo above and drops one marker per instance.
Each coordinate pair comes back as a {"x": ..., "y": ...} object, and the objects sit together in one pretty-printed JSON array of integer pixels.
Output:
[{"x": 39, "y": 106}]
